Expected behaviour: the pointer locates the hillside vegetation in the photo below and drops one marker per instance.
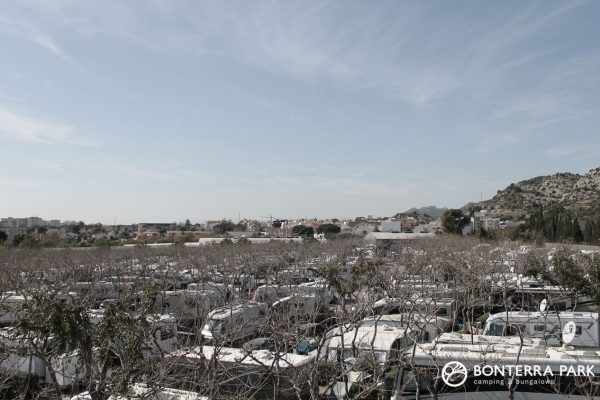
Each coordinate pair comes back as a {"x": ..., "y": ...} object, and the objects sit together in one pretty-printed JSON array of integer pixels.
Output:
[{"x": 559, "y": 207}]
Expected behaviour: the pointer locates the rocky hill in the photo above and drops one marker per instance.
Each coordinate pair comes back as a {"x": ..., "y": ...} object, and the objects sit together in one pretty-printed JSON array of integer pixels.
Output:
[
  {"x": 432, "y": 211},
  {"x": 572, "y": 191}
]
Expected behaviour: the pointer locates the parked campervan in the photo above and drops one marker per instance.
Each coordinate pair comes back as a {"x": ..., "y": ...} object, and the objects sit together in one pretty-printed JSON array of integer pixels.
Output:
[
  {"x": 187, "y": 305},
  {"x": 553, "y": 372},
  {"x": 444, "y": 307},
  {"x": 271, "y": 375},
  {"x": 273, "y": 293},
  {"x": 298, "y": 306},
  {"x": 235, "y": 322},
  {"x": 10, "y": 306},
  {"x": 17, "y": 355},
  {"x": 13, "y": 303},
  {"x": 545, "y": 325},
  {"x": 101, "y": 290},
  {"x": 142, "y": 391},
  {"x": 381, "y": 340},
  {"x": 223, "y": 289}
]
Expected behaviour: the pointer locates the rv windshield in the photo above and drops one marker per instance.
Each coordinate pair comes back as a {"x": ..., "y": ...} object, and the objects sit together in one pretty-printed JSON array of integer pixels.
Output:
[
  {"x": 494, "y": 330},
  {"x": 213, "y": 325}
]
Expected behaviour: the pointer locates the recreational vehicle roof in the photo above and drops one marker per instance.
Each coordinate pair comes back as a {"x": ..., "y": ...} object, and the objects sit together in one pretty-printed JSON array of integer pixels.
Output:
[
  {"x": 371, "y": 333},
  {"x": 241, "y": 356},
  {"x": 228, "y": 311}
]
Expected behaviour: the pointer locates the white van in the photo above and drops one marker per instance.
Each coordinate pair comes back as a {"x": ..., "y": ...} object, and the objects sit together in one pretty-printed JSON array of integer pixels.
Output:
[
  {"x": 187, "y": 304},
  {"x": 235, "y": 322},
  {"x": 549, "y": 326}
]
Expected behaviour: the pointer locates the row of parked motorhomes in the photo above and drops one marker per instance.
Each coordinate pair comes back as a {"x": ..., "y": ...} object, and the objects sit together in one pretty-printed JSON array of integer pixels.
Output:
[{"x": 420, "y": 339}]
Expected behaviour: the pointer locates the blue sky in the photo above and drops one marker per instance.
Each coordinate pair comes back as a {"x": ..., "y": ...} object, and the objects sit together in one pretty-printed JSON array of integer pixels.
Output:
[{"x": 165, "y": 110}]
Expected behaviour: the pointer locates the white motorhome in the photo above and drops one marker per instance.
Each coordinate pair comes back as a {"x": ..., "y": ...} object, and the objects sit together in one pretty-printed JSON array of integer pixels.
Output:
[
  {"x": 298, "y": 305},
  {"x": 443, "y": 307},
  {"x": 13, "y": 303},
  {"x": 381, "y": 339},
  {"x": 527, "y": 292},
  {"x": 223, "y": 289},
  {"x": 469, "y": 367},
  {"x": 17, "y": 355},
  {"x": 235, "y": 322},
  {"x": 141, "y": 391},
  {"x": 271, "y": 375},
  {"x": 162, "y": 337},
  {"x": 102, "y": 290},
  {"x": 10, "y": 306},
  {"x": 319, "y": 291},
  {"x": 545, "y": 325},
  {"x": 271, "y": 293},
  {"x": 68, "y": 369},
  {"x": 187, "y": 304}
]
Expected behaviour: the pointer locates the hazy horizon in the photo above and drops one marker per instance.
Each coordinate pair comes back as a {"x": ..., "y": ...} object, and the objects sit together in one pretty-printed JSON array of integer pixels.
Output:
[{"x": 167, "y": 110}]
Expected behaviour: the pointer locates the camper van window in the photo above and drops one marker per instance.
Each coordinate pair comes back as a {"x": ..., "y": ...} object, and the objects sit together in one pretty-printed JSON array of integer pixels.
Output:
[
  {"x": 166, "y": 333},
  {"x": 380, "y": 356},
  {"x": 514, "y": 330},
  {"x": 539, "y": 328},
  {"x": 214, "y": 325},
  {"x": 496, "y": 329},
  {"x": 442, "y": 311},
  {"x": 333, "y": 355},
  {"x": 578, "y": 330},
  {"x": 190, "y": 302}
]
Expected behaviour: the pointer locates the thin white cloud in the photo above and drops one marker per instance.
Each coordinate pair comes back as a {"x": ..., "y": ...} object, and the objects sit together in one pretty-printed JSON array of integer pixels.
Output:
[
  {"x": 400, "y": 57},
  {"x": 47, "y": 43},
  {"x": 588, "y": 150},
  {"x": 19, "y": 126}
]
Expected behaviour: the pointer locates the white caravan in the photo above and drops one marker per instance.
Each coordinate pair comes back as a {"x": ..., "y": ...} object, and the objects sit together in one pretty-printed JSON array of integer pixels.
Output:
[
  {"x": 12, "y": 304},
  {"x": 272, "y": 293},
  {"x": 443, "y": 307},
  {"x": 381, "y": 340},
  {"x": 235, "y": 322},
  {"x": 224, "y": 290},
  {"x": 160, "y": 339},
  {"x": 545, "y": 325},
  {"x": 17, "y": 355},
  {"x": 469, "y": 367},
  {"x": 187, "y": 304},
  {"x": 271, "y": 375},
  {"x": 141, "y": 391},
  {"x": 102, "y": 290}
]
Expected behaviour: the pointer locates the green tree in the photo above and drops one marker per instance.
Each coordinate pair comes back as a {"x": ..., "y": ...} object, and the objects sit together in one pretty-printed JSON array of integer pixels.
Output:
[
  {"x": 302, "y": 230},
  {"x": 453, "y": 221},
  {"x": 3, "y": 236},
  {"x": 18, "y": 239},
  {"x": 223, "y": 227},
  {"x": 568, "y": 273},
  {"x": 328, "y": 229},
  {"x": 577, "y": 233}
]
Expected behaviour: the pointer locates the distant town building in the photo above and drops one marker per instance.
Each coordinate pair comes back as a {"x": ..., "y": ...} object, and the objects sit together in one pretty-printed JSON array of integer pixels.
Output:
[{"x": 391, "y": 225}]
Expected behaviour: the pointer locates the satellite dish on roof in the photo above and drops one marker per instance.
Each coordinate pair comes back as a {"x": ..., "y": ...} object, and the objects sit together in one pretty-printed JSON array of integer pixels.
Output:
[
  {"x": 543, "y": 305},
  {"x": 568, "y": 332}
]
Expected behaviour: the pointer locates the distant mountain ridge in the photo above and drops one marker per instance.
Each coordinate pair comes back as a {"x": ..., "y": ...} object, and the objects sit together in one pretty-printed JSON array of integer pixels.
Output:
[
  {"x": 578, "y": 193},
  {"x": 432, "y": 211}
]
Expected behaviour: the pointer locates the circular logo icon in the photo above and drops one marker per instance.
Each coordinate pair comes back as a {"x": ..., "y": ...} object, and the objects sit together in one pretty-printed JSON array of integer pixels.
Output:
[{"x": 454, "y": 374}]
